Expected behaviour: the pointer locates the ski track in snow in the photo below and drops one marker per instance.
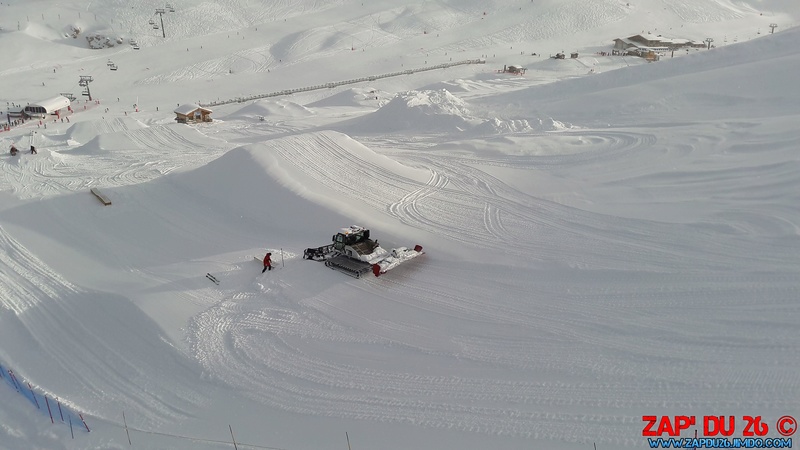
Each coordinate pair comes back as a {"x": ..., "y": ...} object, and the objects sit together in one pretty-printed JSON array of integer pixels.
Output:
[
  {"x": 145, "y": 154},
  {"x": 273, "y": 341},
  {"x": 246, "y": 60},
  {"x": 281, "y": 347},
  {"x": 37, "y": 281},
  {"x": 597, "y": 312},
  {"x": 56, "y": 317},
  {"x": 466, "y": 205}
]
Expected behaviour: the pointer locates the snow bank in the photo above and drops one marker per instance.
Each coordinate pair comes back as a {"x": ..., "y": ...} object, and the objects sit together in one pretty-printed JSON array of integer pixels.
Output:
[
  {"x": 439, "y": 111},
  {"x": 351, "y": 97},
  {"x": 161, "y": 138},
  {"x": 243, "y": 180},
  {"x": 83, "y": 132},
  {"x": 459, "y": 85},
  {"x": 421, "y": 111},
  {"x": 333, "y": 169},
  {"x": 40, "y": 31},
  {"x": 503, "y": 126},
  {"x": 268, "y": 108}
]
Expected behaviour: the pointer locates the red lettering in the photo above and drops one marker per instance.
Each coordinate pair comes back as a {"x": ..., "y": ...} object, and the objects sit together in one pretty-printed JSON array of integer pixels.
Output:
[
  {"x": 648, "y": 428},
  {"x": 665, "y": 426},
  {"x": 714, "y": 425},
  {"x": 683, "y": 423},
  {"x": 761, "y": 429}
]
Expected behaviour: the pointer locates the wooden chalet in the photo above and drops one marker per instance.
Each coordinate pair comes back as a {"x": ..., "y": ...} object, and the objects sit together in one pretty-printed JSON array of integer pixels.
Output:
[{"x": 191, "y": 113}]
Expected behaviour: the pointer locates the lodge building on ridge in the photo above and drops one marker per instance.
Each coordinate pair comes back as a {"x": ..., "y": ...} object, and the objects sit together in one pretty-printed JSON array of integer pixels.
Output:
[
  {"x": 650, "y": 44},
  {"x": 191, "y": 113}
]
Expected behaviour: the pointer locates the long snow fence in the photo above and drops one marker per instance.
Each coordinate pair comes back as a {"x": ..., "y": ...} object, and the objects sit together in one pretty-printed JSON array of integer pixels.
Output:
[
  {"x": 342, "y": 83},
  {"x": 50, "y": 407}
]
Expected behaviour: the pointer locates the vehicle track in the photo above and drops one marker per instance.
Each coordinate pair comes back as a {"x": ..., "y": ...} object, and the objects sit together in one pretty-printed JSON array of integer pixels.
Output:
[
  {"x": 453, "y": 204},
  {"x": 283, "y": 351}
]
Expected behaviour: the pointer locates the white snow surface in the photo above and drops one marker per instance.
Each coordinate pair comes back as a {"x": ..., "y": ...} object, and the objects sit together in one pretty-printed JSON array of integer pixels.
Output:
[{"x": 605, "y": 238}]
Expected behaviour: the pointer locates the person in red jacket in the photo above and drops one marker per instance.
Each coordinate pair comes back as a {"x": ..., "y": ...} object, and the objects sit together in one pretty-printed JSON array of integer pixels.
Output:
[{"x": 267, "y": 262}]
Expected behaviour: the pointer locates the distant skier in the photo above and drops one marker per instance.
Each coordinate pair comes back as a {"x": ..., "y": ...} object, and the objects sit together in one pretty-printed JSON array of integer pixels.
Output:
[
  {"x": 33, "y": 150},
  {"x": 267, "y": 262},
  {"x": 14, "y": 151}
]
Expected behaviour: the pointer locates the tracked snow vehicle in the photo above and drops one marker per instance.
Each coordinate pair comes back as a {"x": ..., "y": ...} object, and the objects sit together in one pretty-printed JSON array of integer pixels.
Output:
[{"x": 354, "y": 253}]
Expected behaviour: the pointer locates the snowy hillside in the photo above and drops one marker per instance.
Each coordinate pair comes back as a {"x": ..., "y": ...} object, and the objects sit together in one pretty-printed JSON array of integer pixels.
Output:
[{"x": 605, "y": 238}]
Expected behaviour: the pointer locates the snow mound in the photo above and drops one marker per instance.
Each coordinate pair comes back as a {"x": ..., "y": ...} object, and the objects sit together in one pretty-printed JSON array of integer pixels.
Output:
[
  {"x": 351, "y": 97},
  {"x": 105, "y": 143},
  {"x": 454, "y": 85},
  {"x": 246, "y": 176},
  {"x": 424, "y": 110},
  {"x": 329, "y": 169},
  {"x": 46, "y": 140},
  {"x": 40, "y": 31},
  {"x": 502, "y": 126},
  {"x": 432, "y": 111},
  {"x": 266, "y": 108},
  {"x": 172, "y": 137},
  {"x": 83, "y": 132}
]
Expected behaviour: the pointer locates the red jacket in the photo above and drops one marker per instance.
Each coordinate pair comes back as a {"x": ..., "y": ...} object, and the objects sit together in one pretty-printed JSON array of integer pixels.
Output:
[{"x": 267, "y": 260}]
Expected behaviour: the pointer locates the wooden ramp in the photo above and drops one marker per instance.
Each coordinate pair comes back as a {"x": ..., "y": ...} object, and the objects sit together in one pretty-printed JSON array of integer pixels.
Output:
[{"x": 100, "y": 196}]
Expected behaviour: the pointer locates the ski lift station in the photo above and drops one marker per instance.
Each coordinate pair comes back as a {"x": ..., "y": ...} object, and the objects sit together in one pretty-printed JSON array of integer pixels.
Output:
[{"x": 47, "y": 107}]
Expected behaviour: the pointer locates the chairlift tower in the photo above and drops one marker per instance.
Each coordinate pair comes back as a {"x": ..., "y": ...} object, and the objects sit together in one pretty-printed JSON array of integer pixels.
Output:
[
  {"x": 84, "y": 82},
  {"x": 773, "y": 26},
  {"x": 161, "y": 12},
  {"x": 709, "y": 41}
]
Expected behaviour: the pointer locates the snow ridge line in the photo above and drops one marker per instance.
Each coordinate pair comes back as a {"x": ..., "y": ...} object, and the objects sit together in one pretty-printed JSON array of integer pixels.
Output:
[{"x": 342, "y": 83}]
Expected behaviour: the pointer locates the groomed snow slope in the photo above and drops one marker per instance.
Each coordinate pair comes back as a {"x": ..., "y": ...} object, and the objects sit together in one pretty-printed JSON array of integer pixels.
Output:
[{"x": 632, "y": 250}]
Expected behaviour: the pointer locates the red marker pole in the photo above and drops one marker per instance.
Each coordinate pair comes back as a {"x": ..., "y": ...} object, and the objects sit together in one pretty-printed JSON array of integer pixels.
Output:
[{"x": 84, "y": 423}]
